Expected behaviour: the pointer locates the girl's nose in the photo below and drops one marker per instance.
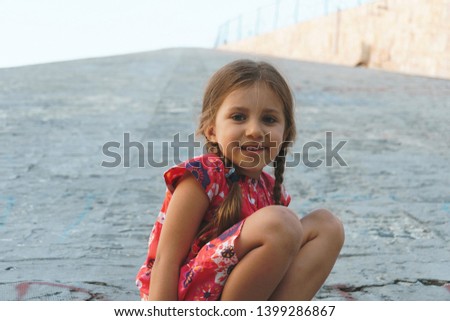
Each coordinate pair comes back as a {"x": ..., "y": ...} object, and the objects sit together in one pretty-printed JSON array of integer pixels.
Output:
[{"x": 254, "y": 130}]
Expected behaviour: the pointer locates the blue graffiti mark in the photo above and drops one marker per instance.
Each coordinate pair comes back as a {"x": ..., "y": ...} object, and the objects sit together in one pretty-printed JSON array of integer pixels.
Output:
[
  {"x": 446, "y": 207},
  {"x": 10, "y": 201},
  {"x": 350, "y": 197},
  {"x": 88, "y": 204},
  {"x": 362, "y": 197},
  {"x": 339, "y": 196}
]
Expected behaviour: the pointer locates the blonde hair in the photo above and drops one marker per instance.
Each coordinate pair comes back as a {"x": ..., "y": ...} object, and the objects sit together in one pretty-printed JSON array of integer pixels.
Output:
[{"x": 237, "y": 75}]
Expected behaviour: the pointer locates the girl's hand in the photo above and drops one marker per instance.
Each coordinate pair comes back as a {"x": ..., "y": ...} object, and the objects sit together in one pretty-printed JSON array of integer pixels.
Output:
[{"x": 185, "y": 212}]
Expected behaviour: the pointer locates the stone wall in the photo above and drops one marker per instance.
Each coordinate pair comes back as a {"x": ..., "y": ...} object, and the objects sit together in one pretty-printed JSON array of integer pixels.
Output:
[{"x": 408, "y": 36}]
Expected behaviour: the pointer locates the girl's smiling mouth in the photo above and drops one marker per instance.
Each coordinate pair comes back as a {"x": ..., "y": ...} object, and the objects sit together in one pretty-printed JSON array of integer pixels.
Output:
[{"x": 253, "y": 148}]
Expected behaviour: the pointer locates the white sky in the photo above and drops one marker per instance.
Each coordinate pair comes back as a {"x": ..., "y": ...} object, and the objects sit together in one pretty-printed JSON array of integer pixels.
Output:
[{"x": 39, "y": 31}]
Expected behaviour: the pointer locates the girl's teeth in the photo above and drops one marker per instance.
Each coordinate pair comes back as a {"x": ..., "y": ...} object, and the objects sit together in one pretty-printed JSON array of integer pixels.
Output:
[{"x": 252, "y": 148}]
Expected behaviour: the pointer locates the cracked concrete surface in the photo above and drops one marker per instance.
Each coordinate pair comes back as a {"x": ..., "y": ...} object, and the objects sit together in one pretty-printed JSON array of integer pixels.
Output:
[{"x": 71, "y": 229}]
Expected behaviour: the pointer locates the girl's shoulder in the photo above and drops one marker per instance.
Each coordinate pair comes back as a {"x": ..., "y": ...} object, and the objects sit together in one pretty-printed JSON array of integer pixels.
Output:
[
  {"x": 205, "y": 161},
  {"x": 207, "y": 169},
  {"x": 267, "y": 178}
]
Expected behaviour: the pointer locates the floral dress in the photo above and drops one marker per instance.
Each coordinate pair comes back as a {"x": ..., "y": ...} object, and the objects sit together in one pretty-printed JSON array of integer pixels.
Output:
[{"x": 207, "y": 266}]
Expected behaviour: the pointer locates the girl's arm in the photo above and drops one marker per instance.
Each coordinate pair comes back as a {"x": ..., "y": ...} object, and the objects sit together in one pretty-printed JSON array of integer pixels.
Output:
[{"x": 184, "y": 215}]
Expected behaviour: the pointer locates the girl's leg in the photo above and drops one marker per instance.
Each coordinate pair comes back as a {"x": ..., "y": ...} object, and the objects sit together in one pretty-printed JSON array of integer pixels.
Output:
[
  {"x": 323, "y": 237},
  {"x": 269, "y": 241}
]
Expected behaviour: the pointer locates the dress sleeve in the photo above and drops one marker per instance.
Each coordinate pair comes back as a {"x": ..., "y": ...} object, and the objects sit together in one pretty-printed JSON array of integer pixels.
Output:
[{"x": 207, "y": 170}]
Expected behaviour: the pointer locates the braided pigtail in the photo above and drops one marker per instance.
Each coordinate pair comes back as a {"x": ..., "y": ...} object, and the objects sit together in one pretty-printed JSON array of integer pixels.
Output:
[
  {"x": 229, "y": 212},
  {"x": 280, "y": 164}
]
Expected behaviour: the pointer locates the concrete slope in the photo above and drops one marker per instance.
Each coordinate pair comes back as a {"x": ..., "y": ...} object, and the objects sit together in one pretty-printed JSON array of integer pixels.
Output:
[{"x": 72, "y": 229}]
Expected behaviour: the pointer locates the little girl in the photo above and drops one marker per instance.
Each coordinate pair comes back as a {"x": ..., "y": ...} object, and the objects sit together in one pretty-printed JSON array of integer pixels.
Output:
[{"x": 224, "y": 231}]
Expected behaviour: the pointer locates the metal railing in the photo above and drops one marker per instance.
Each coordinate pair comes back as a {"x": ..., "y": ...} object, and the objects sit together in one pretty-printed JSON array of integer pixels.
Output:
[{"x": 281, "y": 14}]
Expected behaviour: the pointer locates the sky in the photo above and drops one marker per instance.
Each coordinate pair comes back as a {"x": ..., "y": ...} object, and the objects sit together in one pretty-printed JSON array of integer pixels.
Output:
[{"x": 40, "y": 31}]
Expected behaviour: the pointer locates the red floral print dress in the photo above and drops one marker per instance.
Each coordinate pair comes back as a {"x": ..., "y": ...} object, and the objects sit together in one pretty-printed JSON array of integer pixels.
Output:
[{"x": 207, "y": 266}]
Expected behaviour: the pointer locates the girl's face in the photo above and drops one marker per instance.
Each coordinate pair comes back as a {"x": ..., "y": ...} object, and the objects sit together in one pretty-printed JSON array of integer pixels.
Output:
[{"x": 249, "y": 128}]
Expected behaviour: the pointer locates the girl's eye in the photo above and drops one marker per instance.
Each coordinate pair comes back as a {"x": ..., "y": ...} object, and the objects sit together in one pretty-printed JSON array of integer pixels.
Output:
[
  {"x": 238, "y": 117},
  {"x": 269, "y": 119}
]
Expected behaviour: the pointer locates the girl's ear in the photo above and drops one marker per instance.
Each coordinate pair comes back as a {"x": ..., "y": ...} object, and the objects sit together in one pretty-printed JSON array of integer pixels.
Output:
[{"x": 210, "y": 134}]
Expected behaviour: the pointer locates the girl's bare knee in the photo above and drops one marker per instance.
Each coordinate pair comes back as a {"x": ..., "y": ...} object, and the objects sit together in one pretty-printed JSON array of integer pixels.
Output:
[
  {"x": 282, "y": 228},
  {"x": 329, "y": 225},
  {"x": 275, "y": 227}
]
